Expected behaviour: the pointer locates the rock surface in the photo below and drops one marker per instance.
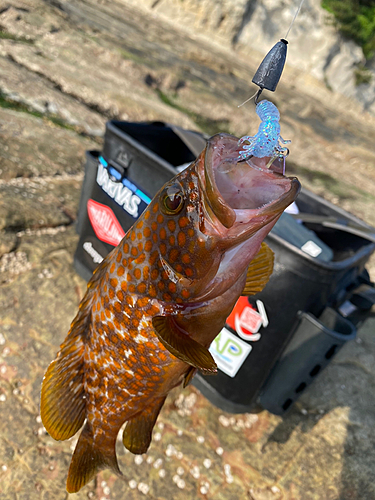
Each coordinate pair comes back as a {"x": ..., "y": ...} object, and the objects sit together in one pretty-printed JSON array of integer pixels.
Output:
[{"x": 91, "y": 61}]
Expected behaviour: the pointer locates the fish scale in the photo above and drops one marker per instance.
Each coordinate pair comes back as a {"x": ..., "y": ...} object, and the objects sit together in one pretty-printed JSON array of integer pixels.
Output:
[{"x": 151, "y": 310}]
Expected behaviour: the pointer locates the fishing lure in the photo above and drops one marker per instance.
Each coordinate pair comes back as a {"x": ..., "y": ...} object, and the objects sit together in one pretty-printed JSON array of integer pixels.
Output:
[{"x": 267, "y": 141}]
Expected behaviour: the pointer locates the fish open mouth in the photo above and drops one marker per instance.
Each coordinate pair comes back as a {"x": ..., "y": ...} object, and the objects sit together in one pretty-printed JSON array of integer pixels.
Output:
[{"x": 240, "y": 191}]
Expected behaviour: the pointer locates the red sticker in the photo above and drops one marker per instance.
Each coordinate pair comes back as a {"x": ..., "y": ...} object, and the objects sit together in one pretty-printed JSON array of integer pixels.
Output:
[
  {"x": 245, "y": 320},
  {"x": 107, "y": 228}
]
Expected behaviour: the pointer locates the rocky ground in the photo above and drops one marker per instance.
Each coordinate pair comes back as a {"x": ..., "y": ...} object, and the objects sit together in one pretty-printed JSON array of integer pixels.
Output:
[{"x": 65, "y": 69}]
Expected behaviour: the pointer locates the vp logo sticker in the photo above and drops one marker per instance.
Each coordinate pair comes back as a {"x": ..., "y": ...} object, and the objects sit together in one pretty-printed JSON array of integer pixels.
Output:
[{"x": 229, "y": 352}]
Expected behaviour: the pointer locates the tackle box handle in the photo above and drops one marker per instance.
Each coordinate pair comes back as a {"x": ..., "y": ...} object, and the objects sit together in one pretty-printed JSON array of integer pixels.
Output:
[{"x": 368, "y": 233}]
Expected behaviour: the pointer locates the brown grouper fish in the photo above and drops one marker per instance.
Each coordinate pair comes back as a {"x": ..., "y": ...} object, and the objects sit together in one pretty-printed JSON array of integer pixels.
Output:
[{"x": 158, "y": 300}]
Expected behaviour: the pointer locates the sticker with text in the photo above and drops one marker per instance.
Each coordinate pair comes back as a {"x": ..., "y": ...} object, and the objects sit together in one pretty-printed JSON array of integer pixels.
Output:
[{"x": 229, "y": 352}]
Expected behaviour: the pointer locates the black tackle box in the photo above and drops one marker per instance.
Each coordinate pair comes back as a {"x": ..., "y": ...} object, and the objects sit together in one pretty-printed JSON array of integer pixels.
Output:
[{"x": 276, "y": 342}]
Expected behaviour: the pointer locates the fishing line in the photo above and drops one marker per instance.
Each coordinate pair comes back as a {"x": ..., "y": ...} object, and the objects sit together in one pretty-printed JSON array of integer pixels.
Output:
[
  {"x": 247, "y": 100},
  {"x": 295, "y": 16}
]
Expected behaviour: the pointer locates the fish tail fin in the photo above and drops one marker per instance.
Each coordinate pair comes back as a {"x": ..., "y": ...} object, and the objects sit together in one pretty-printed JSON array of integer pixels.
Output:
[
  {"x": 88, "y": 459},
  {"x": 63, "y": 405}
]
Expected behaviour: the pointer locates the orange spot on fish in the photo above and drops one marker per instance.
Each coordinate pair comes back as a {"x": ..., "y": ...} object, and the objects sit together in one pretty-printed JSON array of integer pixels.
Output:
[
  {"x": 162, "y": 233},
  {"x": 155, "y": 238},
  {"x": 125, "y": 262},
  {"x": 186, "y": 258},
  {"x": 140, "y": 259},
  {"x": 167, "y": 297},
  {"x": 111, "y": 293},
  {"x": 139, "y": 224},
  {"x": 113, "y": 282},
  {"x": 132, "y": 288},
  {"x": 181, "y": 238},
  {"x": 142, "y": 287},
  {"x": 137, "y": 273},
  {"x": 172, "y": 240},
  {"x": 185, "y": 293},
  {"x": 155, "y": 208},
  {"x": 138, "y": 313},
  {"x": 163, "y": 358},
  {"x": 164, "y": 275},
  {"x": 161, "y": 285},
  {"x": 146, "y": 232},
  {"x": 102, "y": 316},
  {"x": 179, "y": 268},
  {"x": 142, "y": 302},
  {"x": 173, "y": 254},
  {"x": 146, "y": 272},
  {"x": 152, "y": 291},
  {"x": 153, "y": 257},
  {"x": 171, "y": 225},
  {"x": 124, "y": 287},
  {"x": 112, "y": 268},
  {"x": 154, "y": 274},
  {"x": 140, "y": 246},
  {"x": 132, "y": 235},
  {"x": 126, "y": 247},
  {"x": 147, "y": 214},
  {"x": 163, "y": 248},
  {"x": 118, "y": 307},
  {"x": 134, "y": 251},
  {"x": 148, "y": 246},
  {"x": 119, "y": 257},
  {"x": 183, "y": 222},
  {"x": 160, "y": 218},
  {"x": 172, "y": 287},
  {"x": 120, "y": 271},
  {"x": 135, "y": 322},
  {"x": 190, "y": 232},
  {"x": 189, "y": 272}
]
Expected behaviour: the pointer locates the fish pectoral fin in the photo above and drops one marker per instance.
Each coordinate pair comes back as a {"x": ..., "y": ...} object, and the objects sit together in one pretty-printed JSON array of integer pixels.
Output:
[
  {"x": 189, "y": 376},
  {"x": 259, "y": 271},
  {"x": 138, "y": 431},
  {"x": 182, "y": 345}
]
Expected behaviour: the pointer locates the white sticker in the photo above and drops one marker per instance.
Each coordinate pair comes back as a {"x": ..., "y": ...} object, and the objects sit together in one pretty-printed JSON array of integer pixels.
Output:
[
  {"x": 311, "y": 248},
  {"x": 229, "y": 352}
]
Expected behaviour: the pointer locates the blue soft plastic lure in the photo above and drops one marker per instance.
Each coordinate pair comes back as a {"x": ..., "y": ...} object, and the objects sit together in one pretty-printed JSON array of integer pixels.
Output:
[{"x": 267, "y": 141}]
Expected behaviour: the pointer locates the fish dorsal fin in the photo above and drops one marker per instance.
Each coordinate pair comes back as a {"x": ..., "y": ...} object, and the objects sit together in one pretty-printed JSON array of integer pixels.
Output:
[
  {"x": 182, "y": 345},
  {"x": 189, "y": 376},
  {"x": 138, "y": 431},
  {"x": 259, "y": 271},
  {"x": 62, "y": 406}
]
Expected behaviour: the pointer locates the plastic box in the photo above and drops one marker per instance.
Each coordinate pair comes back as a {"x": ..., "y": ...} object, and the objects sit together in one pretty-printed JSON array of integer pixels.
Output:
[{"x": 142, "y": 157}]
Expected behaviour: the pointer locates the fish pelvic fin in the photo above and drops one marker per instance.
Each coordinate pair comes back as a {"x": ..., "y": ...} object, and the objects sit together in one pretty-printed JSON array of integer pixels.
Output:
[
  {"x": 182, "y": 345},
  {"x": 88, "y": 459},
  {"x": 189, "y": 376},
  {"x": 259, "y": 271},
  {"x": 138, "y": 431}
]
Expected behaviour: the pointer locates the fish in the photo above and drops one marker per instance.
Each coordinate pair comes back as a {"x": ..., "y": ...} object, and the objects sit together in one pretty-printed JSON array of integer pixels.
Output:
[{"x": 158, "y": 300}]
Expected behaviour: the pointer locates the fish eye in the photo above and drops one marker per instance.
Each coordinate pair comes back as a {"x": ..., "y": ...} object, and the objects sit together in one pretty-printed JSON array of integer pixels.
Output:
[{"x": 172, "y": 199}]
